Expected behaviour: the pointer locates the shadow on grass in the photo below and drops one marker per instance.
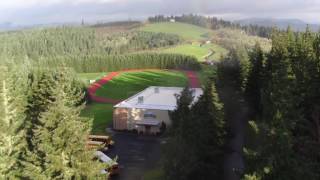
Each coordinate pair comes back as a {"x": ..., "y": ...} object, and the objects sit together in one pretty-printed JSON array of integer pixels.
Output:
[{"x": 101, "y": 115}]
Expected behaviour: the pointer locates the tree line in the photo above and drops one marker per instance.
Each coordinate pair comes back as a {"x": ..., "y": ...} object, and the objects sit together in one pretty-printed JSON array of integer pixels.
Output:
[
  {"x": 195, "y": 146},
  {"x": 276, "y": 93},
  {"x": 42, "y": 135},
  {"x": 284, "y": 98},
  {"x": 127, "y": 42},
  {"x": 215, "y": 23},
  {"x": 96, "y": 63},
  {"x": 64, "y": 41}
]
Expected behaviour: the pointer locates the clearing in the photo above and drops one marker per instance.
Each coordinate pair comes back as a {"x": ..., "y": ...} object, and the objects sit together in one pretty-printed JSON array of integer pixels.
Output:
[
  {"x": 200, "y": 52},
  {"x": 125, "y": 85},
  {"x": 186, "y": 31},
  {"x": 129, "y": 83},
  {"x": 86, "y": 77},
  {"x": 101, "y": 115}
]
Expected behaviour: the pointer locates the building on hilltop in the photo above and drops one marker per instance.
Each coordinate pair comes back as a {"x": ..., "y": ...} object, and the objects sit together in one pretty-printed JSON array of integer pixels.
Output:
[{"x": 147, "y": 111}]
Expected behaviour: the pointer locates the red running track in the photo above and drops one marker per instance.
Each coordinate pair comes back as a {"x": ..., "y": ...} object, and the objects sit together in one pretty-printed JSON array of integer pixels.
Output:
[{"x": 191, "y": 75}]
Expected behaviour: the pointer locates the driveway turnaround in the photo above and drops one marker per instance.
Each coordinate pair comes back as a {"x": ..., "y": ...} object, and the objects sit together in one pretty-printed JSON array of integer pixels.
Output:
[{"x": 137, "y": 154}]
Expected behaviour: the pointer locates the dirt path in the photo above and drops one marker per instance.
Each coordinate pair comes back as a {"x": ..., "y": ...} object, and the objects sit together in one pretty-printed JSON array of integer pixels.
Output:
[{"x": 192, "y": 76}]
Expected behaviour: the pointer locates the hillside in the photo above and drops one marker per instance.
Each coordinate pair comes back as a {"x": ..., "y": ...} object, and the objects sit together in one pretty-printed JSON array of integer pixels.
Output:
[
  {"x": 187, "y": 31},
  {"x": 295, "y": 24},
  {"x": 213, "y": 51}
]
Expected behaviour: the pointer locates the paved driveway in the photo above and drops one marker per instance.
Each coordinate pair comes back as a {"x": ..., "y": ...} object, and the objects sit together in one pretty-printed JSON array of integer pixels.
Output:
[{"x": 137, "y": 154}]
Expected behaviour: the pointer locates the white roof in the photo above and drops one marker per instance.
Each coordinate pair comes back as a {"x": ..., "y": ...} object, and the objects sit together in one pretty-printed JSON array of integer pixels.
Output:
[{"x": 165, "y": 99}]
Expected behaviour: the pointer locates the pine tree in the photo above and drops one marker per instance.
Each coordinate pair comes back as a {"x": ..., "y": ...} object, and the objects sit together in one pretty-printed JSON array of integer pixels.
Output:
[
  {"x": 12, "y": 122},
  {"x": 254, "y": 83},
  {"x": 178, "y": 154},
  {"x": 61, "y": 136},
  {"x": 209, "y": 135}
]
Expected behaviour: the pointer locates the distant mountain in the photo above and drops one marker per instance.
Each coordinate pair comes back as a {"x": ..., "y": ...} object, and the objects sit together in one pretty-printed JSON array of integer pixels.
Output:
[
  {"x": 296, "y": 24},
  {"x": 7, "y": 26}
]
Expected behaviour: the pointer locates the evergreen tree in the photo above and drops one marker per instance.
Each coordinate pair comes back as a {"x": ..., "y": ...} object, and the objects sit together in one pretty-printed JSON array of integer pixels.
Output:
[
  {"x": 12, "y": 122},
  {"x": 178, "y": 154},
  {"x": 254, "y": 83},
  {"x": 196, "y": 145},
  {"x": 208, "y": 135},
  {"x": 62, "y": 133}
]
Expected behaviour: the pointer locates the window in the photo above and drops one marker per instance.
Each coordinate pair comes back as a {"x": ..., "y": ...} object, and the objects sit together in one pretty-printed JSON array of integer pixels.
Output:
[{"x": 150, "y": 115}]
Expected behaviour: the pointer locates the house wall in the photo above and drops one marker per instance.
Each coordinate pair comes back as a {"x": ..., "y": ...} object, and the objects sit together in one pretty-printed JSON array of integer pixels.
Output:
[
  {"x": 120, "y": 118},
  {"x": 138, "y": 114},
  {"x": 153, "y": 129},
  {"x": 124, "y": 119}
]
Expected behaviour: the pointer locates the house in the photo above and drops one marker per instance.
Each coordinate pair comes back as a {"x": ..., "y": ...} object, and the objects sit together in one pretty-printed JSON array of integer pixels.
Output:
[
  {"x": 172, "y": 20},
  {"x": 148, "y": 111}
]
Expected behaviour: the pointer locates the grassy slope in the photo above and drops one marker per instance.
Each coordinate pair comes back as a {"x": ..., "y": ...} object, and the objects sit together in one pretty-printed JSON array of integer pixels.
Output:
[
  {"x": 128, "y": 84},
  {"x": 187, "y": 31},
  {"x": 197, "y": 51},
  {"x": 86, "y": 77},
  {"x": 190, "y": 33}
]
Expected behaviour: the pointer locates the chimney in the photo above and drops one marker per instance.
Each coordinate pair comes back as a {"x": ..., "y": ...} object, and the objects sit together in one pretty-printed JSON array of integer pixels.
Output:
[
  {"x": 140, "y": 99},
  {"x": 156, "y": 90}
]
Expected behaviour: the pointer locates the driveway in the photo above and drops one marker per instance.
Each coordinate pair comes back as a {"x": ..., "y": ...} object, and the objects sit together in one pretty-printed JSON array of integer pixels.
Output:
[{"x": 137, "y": 154}]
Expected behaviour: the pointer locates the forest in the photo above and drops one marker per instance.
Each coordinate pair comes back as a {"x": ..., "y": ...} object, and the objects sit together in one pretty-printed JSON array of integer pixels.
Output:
[
  {"x": 277, "y": 93},
  {"x": 215, "y": 23},
  {"x": 271, "y": 86}
]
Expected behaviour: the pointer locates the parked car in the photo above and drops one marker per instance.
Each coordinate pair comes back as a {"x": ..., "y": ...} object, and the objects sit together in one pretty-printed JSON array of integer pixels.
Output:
[{"x": 112, "y": 166}]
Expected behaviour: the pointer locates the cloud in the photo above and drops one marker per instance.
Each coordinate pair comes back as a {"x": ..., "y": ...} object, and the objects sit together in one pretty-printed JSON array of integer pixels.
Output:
[{"x": 44, "y": 11}]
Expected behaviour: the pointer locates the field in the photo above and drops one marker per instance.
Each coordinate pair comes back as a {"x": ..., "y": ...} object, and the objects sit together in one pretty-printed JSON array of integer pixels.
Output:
[
  {"x": 101, "y": 115},
  {"x": 192, "y": 34},
  {"x": 198, "y": 51},
  {"x": 186, "y": 31},
  {"x": 122, "y": 87},
  {"x": 130, "y": 83},
  {"x": 86, "y": 77}
]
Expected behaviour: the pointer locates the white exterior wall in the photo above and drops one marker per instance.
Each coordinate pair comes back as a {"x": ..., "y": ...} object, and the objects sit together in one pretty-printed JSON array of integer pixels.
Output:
[{"x": 138, "y": 115}]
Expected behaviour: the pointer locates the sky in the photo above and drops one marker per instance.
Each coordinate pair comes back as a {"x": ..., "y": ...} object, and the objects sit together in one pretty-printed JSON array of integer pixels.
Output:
[{"x": 28, "y": 12}]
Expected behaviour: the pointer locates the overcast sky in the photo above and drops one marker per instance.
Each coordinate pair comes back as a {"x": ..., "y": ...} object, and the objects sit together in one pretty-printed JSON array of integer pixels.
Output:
[{"x": 59, "y": 11}]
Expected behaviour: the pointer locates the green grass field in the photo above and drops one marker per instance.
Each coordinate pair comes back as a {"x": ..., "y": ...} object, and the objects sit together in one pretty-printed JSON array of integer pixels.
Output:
[
  {"x": 197, "y": 51},
  {"x": 130, "y": 83},
  {"x": 86, "y": 77},
  {"x": 122, "y": 87},
  {"x": 101, "y": 115},
  {"x": 186, "y": 31}
]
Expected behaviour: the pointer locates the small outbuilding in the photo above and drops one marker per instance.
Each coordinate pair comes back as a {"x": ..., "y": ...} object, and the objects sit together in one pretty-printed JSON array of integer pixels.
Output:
[{"x": 148, "y": 111}]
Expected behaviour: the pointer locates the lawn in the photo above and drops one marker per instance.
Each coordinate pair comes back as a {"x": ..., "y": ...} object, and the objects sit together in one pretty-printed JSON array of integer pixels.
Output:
[
  {"x": 130, "y": 83},
  {"x": 86, "y": 77},
  {"x": 198, "y": 51},
  {"x": 186, "y": 31},
  {"x": 122, "y": 87},
  {"x": 101, "y": 115}
]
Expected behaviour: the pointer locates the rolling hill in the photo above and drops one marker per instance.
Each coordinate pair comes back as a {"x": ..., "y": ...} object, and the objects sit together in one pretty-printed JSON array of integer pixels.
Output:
[
  {"x": 295, "y": 24},
  {"x": 186, "y": 31}
]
